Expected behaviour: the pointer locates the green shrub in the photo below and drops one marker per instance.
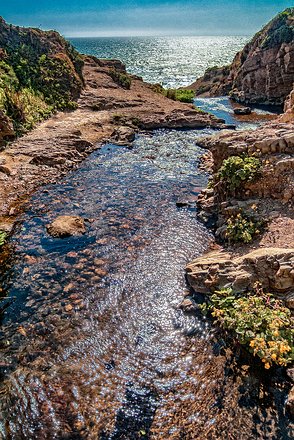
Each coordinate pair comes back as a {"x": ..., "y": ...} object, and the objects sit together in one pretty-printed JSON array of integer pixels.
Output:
[
  {"x": 242, "y": 228},
  {"x": 174, "y": 94},
  {"x": 122, "y": 79},
  {"x": 258, "y": 321},
  {"x": 3, "y": 236},
  {"x": 26, "y": 108},
  {"x": 281, "y": 31},
  {"x": 180, "y": 95},
  {"x": 236, "y": 170}
]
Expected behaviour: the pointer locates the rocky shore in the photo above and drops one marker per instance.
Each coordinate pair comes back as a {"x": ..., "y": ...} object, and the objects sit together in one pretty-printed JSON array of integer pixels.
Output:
[
  {"x": 250, "y": 205},
  {"x": 248, "y": 278},
  {"x": 249, "y": 202}
]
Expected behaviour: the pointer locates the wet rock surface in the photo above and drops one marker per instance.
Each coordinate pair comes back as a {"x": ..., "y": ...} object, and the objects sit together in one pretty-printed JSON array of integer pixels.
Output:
[
  {"x": 66, "y": 226},
  {"x": 242, "y": 111}
]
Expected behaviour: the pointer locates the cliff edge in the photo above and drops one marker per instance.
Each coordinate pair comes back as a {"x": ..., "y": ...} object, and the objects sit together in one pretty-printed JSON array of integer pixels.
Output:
[{"x": 261, "y": 73}]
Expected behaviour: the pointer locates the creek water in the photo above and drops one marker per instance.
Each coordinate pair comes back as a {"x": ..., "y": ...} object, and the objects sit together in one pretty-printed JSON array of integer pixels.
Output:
[{"x": 94, "y": 343}]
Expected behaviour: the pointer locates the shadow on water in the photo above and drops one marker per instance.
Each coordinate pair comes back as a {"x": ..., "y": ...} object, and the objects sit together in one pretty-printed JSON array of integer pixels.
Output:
[{"x": 96, "y": 345}]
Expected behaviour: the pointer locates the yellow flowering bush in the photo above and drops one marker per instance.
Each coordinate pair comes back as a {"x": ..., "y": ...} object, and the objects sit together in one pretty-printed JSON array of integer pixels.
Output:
[
  {"x": 242, "y": 228},
  {"x": 259, "y": 321}
]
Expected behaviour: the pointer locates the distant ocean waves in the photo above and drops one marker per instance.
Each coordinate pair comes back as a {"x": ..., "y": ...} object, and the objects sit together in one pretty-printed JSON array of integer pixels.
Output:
[{"x": 170, "y": 61}]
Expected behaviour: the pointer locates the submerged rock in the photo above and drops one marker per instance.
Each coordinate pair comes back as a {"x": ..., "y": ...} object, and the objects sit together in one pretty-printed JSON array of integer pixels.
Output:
[
  {"x": 188, "y": 305},
  {"x": 66, "y": 225},
  {"x": 242, "y": 111}
]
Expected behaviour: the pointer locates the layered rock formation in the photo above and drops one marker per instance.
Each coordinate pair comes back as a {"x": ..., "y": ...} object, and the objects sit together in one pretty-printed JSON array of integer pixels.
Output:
[
  {"x": 270, "y": 194},
  {"x": 218, "y": 270},
  {"x": 262, "y": 72}
]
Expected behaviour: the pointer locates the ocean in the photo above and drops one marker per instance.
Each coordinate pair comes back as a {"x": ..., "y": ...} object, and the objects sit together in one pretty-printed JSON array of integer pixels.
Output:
[{"x": 171, "y": 61}]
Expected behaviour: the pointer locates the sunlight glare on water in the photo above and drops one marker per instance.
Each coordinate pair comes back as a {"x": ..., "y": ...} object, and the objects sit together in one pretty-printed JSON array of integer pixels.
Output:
[{"x": 171, "y": 61}]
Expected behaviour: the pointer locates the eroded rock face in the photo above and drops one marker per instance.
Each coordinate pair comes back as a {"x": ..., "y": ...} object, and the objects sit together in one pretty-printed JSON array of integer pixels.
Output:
[
  {"x": 271, "y": 194},
  {"x": 66, "y": 225},
  {"x": 290, "y": 402},
  {"x": 262, "y": 72},
  {"x": 6, "y": 127},
  {"x": 273, "y": 267},
  {"x": 288, "y": 115},
  {"x": 123, "y": 136}
]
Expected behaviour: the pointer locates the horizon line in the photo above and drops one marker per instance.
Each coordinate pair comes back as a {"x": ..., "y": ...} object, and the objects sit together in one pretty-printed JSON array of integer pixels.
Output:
[{"x": 156, "y": 35}]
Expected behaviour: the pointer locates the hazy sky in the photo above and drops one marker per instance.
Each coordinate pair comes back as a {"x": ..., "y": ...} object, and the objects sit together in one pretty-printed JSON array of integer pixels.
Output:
[{"x": 143, "y": 17}]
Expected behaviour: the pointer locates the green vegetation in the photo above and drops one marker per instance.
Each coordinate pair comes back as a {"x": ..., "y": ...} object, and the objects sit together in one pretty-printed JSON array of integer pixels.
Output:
[
  {"x": 281, "y": 30},
  {"x": 3, "y": 237},
  {"x": 236, "y": 170},
  {"x": 175, "y": 94},
  {"x": 180, "y": 95},
  {"x": 40, "y": 72},
  {"x": 243, "y": 228},
  {"x": 258, "y": 321},
  {"x": 122, "y": 79}
]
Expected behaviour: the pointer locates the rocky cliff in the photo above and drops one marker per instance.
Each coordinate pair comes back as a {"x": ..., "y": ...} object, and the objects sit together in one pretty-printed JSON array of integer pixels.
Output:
[
  {"x": 262, "y": 72},
  {"x": 39, "y": 73}
]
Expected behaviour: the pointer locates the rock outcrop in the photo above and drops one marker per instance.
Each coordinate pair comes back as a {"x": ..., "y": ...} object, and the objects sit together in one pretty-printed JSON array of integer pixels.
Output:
[
  {"x": 260, "y": 73},
  {"x": 288, "y": 115},
  {"x": 273, "y": 267},
  {"x": 270, "y": 195},
  {"x": 6, "y": 128}
]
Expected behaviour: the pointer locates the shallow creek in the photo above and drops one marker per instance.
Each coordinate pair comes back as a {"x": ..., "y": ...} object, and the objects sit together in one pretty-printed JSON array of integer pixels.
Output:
[{"x": 95, "y": 345}]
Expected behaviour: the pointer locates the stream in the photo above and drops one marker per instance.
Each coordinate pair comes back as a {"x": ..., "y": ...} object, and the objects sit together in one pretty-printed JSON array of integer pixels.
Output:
[{"x": 94, "y": 343}]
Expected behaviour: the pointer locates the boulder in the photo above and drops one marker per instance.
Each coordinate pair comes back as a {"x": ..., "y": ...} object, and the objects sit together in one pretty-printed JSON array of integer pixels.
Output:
[
  {"x": 66, "y": 226},
  {"x": 123, "y": 135},
  {"x": 188, "y": 305}
]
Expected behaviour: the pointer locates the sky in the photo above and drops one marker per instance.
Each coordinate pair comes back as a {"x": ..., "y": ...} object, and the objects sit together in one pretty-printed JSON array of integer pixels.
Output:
[{"x": 84, "y": 18}]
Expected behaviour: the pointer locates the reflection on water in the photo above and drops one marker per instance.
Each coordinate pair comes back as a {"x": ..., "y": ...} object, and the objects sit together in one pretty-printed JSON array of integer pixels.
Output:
[{"x": 95, "y": 344}]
